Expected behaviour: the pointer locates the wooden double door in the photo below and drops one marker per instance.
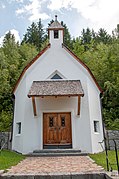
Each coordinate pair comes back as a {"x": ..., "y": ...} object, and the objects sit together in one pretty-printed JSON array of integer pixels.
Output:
[{"x": 57, "y": 129}]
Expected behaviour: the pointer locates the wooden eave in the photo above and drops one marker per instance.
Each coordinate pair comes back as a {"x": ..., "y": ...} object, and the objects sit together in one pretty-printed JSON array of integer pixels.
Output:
[
  {"x": 67, "y": 95},
  {"x": 55, "y": 28},
  {"x": 28, "y": 65}
]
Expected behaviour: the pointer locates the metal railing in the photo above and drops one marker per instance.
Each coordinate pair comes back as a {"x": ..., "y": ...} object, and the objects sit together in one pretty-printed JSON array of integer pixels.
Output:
[{"x": 108, "y": 163}]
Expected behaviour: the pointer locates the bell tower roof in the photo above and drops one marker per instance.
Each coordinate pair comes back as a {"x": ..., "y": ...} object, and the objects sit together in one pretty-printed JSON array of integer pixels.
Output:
[{"x": 56, "y": 25}]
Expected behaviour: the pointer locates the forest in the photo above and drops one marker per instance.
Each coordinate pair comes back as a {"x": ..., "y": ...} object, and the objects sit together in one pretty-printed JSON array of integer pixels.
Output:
[{"x": 98, "y": 50}]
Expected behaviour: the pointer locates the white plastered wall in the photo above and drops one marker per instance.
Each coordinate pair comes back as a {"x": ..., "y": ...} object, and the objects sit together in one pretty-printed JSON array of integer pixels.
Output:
[
  {"x": 19, "y": 116},
  {"x": 31, "y": 137},
  {"x": 95, "y": 115}
]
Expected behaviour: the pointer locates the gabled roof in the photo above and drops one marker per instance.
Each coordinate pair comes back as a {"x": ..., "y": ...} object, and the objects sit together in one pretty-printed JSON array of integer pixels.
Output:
[
  {"x": 55, "y": 25},
  {"x": 56, "y": 88},
  {"x": 70, "y": 52}
]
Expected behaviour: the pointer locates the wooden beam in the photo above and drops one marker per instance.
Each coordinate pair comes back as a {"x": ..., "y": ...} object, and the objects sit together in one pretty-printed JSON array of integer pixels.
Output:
[
  {"x": 79, "y": 101},
  {"x": 34, "y": 106}
]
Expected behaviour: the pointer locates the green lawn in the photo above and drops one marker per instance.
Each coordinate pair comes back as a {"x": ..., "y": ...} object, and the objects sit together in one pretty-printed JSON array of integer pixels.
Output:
[
  {"x": 100, "y": 159},
  {"x": 8, "y": 159}
]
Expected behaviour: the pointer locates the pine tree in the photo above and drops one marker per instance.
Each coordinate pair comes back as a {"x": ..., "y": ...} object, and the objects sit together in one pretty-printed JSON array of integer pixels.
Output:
[
  {"x": 103, "y": 36},
  {"x": 67, "y": 36},
  {"x": 35, "y": 35},
  {"x": 86, "y": 38}
]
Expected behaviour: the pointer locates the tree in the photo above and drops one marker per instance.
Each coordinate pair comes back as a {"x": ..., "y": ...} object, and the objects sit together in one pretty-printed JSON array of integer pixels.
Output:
[
  {"x": 86, "y": 38},
  {"x": 67, "y": 36},
  {"x": 13, "y": 58},
  {"x": 103, "y": 36},
  {"x": 27, "y": 53},
  {"x": 104, "y": 63},
  {"x": 78, "y": 48},
  {"x": 35, "y": 35},
  {"x": 9, "y": 58},
  {"x": 115, "y": 32}
]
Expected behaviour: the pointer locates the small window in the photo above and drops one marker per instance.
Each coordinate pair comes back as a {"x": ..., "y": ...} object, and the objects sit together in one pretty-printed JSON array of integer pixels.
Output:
[
  {"x": 56, "y": 76},
  {"x": 19, "y": 128},
  {"x": 96, "y": 126},
  {"x": 63, "y": 121},
  {"x": 56, "y": 34},
  {"x": 50, "y": 121}
]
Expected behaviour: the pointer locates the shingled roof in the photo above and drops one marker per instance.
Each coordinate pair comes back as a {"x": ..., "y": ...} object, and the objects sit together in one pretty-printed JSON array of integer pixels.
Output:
[
  {"x": 56, "y": 88},
  {"x": 55, "y": 25}
]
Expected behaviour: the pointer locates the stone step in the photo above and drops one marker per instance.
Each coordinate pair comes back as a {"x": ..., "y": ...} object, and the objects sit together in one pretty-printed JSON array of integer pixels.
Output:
[
  {"x": 56, "y": 154},
  {"x": 57, "y": 151}
]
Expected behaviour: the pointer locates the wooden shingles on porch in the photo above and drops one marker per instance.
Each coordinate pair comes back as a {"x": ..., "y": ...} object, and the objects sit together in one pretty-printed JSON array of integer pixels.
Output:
[{"x": 56, "y": 88}]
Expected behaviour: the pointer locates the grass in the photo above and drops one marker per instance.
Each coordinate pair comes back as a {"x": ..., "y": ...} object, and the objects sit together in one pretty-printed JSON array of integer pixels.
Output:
[
  {"x": 9, "y": 158},
  {"x": 100, "y": 159}
]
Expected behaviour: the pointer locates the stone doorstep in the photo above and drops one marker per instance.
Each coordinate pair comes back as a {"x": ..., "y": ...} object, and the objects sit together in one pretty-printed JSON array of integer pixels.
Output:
[
  {"x": 57, "y": 151},
  {"x": 55, "y": 154}
]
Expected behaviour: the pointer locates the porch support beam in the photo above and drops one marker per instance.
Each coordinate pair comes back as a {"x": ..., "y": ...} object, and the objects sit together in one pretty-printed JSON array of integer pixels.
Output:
[
  {"x": 79, "y": 102},
  {"x": 34, "y": 106}
]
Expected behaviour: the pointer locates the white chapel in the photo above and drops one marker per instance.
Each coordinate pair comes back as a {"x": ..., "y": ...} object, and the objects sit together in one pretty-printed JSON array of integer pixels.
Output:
[{"x": 57, "y": 101}]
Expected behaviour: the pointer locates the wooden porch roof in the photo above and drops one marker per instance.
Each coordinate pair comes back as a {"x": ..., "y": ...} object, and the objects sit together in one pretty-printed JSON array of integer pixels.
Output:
[{"x": 56, "y": 88}]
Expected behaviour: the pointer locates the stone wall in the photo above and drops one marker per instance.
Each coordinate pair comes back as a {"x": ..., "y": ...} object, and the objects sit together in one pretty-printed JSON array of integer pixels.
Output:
[
  {"x": 113, "y": 134},
  {"x": 5, "y": 140}
]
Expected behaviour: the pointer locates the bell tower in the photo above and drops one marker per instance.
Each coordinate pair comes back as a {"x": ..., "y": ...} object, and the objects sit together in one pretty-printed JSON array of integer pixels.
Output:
[{"x": 56, "y": 33}]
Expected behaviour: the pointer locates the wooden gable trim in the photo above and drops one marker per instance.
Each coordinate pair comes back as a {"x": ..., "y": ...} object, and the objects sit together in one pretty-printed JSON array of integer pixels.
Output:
[
  {"x": 83, "y": 64},
  {"x": 28, "y": 65},
  {"x": 68, "y": 95}
]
